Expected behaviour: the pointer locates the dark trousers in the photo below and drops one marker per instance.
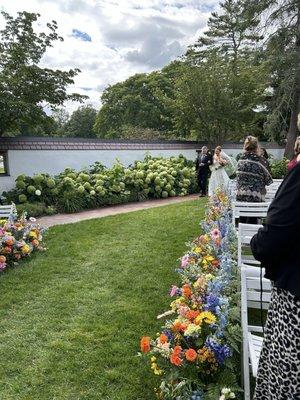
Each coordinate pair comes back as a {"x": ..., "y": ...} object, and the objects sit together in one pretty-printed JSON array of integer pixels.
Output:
[{"x": 202, "y": 180}]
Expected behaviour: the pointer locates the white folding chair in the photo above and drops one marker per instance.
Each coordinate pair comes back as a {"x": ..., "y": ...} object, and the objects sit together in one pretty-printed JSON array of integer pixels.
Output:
[
  {"x": 245, "y": 209},
  {"x": 245, "y": 234},
  {"x": 255, "y": 294},
  {"x": 8, "y": 210}
]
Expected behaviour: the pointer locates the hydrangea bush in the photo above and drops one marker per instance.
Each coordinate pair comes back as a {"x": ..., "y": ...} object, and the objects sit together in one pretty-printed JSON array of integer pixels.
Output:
[
  {"x": 72, "y": 191},
  {"x": 194, "y": 355},
  {"x": 18, "y": 239}
]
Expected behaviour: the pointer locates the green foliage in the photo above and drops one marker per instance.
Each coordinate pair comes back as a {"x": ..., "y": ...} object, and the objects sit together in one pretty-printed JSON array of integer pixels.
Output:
[
  {"x": 35, "y": 209},
  {"x": 279, "y": 168},
  {"x": 24, "y": 84},
  {"x": 142, "y": 101},
  {"x": 72, "y": 191},
  {"x": 81, "y": 122}
]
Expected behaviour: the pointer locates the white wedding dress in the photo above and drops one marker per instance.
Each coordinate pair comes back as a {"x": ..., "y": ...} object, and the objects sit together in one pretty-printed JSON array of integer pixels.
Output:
[{"x": 219, "y": 178}]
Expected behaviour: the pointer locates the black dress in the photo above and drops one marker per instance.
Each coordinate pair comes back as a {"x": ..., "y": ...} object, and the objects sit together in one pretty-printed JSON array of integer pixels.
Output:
[{"x": 276, "y": 245}]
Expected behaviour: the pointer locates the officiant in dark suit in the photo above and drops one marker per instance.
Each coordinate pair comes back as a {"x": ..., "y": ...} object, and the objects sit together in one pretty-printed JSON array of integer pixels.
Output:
[{"x": 203, "y": 162}]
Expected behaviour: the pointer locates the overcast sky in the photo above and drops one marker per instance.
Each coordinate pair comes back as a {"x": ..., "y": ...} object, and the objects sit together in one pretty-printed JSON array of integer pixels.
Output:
[{"x": 109, "y": 40}]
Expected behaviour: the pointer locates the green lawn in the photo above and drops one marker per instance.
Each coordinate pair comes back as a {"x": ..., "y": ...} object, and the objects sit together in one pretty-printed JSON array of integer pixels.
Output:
[{"x": 71, "y": 318}]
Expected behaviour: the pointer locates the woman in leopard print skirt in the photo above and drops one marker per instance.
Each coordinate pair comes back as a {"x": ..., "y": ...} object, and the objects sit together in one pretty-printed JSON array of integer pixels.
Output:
[{"x": 276, "y": 245}]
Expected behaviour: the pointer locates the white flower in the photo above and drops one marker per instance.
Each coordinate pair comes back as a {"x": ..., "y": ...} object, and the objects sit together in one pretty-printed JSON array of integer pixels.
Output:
[
  {"x": 232, "y": 395},
  {"x": 222, "y": 397},
  {"x": 225, "y": 391},
  {"x": 38, "y": 192},
  {"x": 92, "y": 192},
  {"x": 32, "y": 219}
]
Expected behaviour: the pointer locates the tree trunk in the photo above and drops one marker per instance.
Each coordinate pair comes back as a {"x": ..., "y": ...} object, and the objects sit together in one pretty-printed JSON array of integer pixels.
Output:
[{"x": 293, "y": 131}]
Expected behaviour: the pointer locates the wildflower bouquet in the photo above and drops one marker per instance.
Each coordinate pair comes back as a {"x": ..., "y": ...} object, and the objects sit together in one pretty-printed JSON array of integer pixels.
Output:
[
  {"x": 18, "y": 239},
  {"x": 193, "y": 353}
]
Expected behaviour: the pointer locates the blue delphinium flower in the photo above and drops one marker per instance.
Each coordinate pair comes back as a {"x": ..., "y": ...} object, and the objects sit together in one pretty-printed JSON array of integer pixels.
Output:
[
  {"x": 212, "y": 303},
  {"x": 221, "y": 352}
]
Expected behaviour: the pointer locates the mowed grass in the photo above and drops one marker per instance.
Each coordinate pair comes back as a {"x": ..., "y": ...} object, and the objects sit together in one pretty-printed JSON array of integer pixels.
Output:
[{"x": 71, "y": 318}]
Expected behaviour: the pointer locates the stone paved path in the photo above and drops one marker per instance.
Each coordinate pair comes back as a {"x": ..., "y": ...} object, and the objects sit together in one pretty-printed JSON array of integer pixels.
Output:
[{"x": 60, "y": 219}]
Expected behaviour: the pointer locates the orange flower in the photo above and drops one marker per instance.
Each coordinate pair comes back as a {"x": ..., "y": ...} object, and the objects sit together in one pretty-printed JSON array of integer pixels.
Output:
[
  {"x": 9, "y": 242},
  {"x": 2, "y": 259},
  {"x": 186, "y": 290},
  {"x": 179, "y": 327},
  {"x": 216, "y": 263},
  {"x": 163, "y": 338},
  {"x": 191, "y": 314},
  {"x": 7, "y": 250},
  {"x": 176, "y": 360},
  {"x": 191, "y": 355},
  {"x": 35, "y": 242},
  {"x": 177, "y": 350},
  {"x": 145, "y": 344}
]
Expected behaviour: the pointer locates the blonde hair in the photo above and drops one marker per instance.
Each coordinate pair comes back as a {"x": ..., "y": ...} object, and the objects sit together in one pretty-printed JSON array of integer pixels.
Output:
[
  {"x": 251, "y": 143},
  {"x": 218, "y": 148},
  {"x": 297, "y": 146}
]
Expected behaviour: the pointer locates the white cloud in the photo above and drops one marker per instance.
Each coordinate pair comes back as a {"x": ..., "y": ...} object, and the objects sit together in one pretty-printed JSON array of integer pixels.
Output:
[{"x": 126, "y": 36}]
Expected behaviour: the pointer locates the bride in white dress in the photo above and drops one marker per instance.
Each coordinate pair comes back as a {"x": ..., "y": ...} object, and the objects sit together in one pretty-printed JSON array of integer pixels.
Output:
[{"x": 219, "y": 178}]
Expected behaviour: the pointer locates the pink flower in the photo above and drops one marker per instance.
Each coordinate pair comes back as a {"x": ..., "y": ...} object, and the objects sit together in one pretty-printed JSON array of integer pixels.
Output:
[
  {"x": 185, "y": 261},
  {"x": 2, "y": 266},
  {"x": 215, "y": 233},
  {"x": 173, "y": 291}
]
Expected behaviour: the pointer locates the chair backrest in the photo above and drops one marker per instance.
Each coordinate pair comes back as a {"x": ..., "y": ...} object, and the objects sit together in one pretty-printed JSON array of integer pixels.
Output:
[
  {"x": 6, "y": 211},
  {"x": 245, "y": 209},
  {"x": 255, "y": 292},
  {"x": 245, "y": 234}
]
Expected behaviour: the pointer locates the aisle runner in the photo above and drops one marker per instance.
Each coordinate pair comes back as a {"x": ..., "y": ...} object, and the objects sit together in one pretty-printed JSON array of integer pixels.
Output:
[{"x": 195, "y": 355}]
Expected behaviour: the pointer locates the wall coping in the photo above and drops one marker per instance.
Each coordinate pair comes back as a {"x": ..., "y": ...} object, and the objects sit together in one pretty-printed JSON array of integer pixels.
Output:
[{"x": 63, "y": 143}]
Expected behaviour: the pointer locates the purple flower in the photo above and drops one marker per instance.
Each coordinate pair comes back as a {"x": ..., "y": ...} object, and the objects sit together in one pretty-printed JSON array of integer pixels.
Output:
[
  {"x": 220, "y": 351},
  {"x": 212, "y": 302}
]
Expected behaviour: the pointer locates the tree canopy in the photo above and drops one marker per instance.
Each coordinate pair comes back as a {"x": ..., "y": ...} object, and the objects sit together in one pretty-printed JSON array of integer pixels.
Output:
[{"x": 26, "y": 87}]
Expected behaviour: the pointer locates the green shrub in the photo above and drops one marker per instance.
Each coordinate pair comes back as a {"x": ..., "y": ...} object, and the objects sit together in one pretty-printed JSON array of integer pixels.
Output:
[
  {"x": 279, "y": 168},
  {"x": 35, "y": 209},
  {"x": 72, "y": 191}
]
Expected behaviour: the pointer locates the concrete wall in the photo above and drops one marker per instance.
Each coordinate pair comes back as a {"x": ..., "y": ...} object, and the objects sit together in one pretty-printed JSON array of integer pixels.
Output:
[{"x": 53, "y": 161}]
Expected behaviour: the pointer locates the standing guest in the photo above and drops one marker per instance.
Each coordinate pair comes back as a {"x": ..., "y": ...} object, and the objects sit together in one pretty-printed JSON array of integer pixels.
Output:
[
  {"x": 203, "y": 162},
  {"x": 276, "y": 246},
  {"x": 296, "y": 158},
  {"x": 252, "y": 174}
]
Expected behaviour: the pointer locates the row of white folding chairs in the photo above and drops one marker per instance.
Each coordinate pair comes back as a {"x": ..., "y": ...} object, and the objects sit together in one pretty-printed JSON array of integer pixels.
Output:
[
  {"x": 255, "y": 294},
  {"x": 7, "y": 210},
  {"x": 272, "y": 189},
  {"x": 244, "y": 209}
]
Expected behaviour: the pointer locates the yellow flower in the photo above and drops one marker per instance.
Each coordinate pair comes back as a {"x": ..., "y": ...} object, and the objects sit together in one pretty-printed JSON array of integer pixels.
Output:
[
  {"x": 25, "y": 249},
  {"x": 197, "y": 250},
  {"x": 207, "y": 317},
  {"x": 153, "y": 359},
  {"x": 33, "y": 234},
  {"x": 207, "y": 259}
]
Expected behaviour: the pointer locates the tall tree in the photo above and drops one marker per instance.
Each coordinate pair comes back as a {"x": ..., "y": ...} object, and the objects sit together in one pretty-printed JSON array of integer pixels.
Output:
[
  {"x": 281, "y": 25},
  {"x": 142, "y": 101},
  {"x": 24, "y": 85},
  {"x": 207, "y": 103},
  {"x": 231, "y": 31},
  {"x": 81, "y": 122}
]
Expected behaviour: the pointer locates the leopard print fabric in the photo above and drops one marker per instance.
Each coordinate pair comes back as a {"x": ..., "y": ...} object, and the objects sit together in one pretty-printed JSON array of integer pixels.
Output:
[{"x": 278, "y": 376}]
